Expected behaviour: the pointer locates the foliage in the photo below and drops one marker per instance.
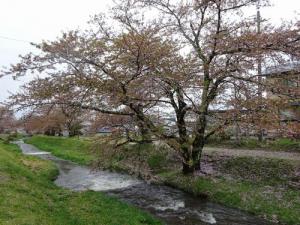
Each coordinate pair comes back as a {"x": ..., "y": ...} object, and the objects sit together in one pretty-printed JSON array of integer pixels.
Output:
[
  {"x": 7, "y": 138},
  {"x": 10, "y": 137},
  {"x": 157, "y": 161},
  {"x": 50, "y": 120},
  {"x": 28, "y": 196},
  {"x": 7, "y": 120},
  {"x": 75, "y": 129}
]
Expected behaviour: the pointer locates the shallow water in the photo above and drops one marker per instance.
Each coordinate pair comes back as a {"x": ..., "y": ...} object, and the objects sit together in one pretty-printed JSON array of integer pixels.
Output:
[{"x": 172, "y": 206}]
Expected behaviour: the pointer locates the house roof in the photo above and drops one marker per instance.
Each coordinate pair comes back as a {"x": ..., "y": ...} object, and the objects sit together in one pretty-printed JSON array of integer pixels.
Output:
[{"x": 104, "y": 130}]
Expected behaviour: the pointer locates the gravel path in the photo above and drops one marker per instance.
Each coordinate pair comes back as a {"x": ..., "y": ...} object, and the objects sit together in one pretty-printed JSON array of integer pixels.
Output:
[{"x": 254, "y": 153}]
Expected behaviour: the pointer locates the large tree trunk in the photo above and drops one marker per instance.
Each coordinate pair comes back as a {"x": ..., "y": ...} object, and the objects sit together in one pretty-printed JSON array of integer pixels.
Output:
[
  {"x": 199, "y": 140},
  {"x": 191, "y": 160},
  {"x": 187, "y": 168},
  {"x": 196, "y": 155},
  {"x": 198, "y": 143},
  {"x": 191, "y": 166},
  {"x": 144, "y": 132}
]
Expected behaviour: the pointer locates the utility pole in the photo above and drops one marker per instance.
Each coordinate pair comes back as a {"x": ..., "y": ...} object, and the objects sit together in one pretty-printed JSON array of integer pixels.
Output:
[
  {"x": 259, "y": 69},
  {"x": 258, "y": 20}
]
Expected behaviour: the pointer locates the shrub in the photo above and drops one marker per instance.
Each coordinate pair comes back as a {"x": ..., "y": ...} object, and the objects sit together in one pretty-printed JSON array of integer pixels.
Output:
[
  {"x": 157, "y": 161},
  {"x": 251, "y": 143},
  {"x": 10, "y": 137}
]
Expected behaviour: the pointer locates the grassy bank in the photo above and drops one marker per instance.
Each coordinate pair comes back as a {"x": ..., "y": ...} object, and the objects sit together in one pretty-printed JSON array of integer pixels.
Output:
[
  {"x": 29, "y": 197},
  {"x": 74, "y": 149},
  {"x": 269, "y": 202},
  {"x": 259, "y": 186},
  {"x": 281, "y": 144}
]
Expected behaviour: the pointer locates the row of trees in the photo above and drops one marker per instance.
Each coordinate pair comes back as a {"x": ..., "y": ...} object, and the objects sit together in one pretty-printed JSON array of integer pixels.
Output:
[
  {"x": 45, "y": 120},
  {"x": 192, "y": 61},
  {"x": 59, "y": 121},
  {"x": 53, "y": 121}
]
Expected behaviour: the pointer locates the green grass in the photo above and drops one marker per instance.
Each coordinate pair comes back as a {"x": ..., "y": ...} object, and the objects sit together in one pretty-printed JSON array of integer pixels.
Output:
[
  {"x": 280, "y": 144},
  {"x": 29, "y": 197},
  {"x": 285, "y": 143},
  {"x": 156, "y": 161},
  {"x": 74, "y": 149}
]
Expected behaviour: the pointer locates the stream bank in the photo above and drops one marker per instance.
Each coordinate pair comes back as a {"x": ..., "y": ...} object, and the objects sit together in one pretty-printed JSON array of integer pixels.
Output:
[
  {"x": 28, "y": 196},
  {"x": 172, "y": 206},
  {"x": 257, "y": 185}
]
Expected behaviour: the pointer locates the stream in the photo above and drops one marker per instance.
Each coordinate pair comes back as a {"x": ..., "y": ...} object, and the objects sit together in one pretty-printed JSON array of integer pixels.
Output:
[{"x": 172, "y": 206}]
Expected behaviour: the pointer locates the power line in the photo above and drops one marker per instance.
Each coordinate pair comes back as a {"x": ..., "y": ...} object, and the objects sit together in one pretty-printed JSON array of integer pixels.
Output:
[{"x": 14, "y": 39}]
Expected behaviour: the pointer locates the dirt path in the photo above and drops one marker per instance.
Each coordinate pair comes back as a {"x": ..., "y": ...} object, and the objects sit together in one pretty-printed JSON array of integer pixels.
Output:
[{"x": 254, "y": 153}]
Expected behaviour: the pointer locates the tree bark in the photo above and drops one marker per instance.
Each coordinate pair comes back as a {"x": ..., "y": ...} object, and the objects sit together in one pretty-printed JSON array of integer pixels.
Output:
[
  {"x": 191, "y": 159},
  {"x": 187, "y": 168}
]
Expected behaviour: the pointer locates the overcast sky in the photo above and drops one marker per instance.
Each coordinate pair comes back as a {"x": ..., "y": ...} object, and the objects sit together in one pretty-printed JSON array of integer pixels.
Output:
[{"x": 23, "y": 21}]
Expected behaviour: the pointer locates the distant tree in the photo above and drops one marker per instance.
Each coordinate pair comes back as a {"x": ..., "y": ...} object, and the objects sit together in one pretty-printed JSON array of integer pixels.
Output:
[
  {"x": 186, "y": 63},
  {"x": 43, "y": 122},
  {"x": 7, "y": 120},
  {"x": 53, "y": 121},
  {"x": 73, "y": 119}
]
